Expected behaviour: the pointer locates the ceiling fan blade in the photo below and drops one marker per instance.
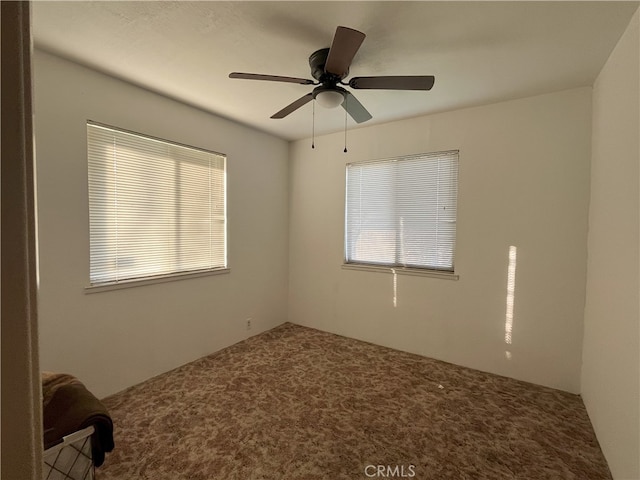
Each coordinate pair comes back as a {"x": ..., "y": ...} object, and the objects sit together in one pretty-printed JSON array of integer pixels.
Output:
[
  {"x": 271, "y": 78},
  {"x": 355, "y": 109},
  {"x": 344, "y": 47},
  {"x": 394, "y": 82},
  {"x": 293, "y": 106}
]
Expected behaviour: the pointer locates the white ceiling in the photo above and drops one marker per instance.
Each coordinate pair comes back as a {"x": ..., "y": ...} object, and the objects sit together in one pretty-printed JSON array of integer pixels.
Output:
[{"x": 480, "y": 52}]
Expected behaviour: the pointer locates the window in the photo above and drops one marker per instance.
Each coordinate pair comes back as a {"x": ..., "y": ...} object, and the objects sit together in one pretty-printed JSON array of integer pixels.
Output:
[
  {"x": 156, "y": 208},
  {"x": 401, "y": 212}
]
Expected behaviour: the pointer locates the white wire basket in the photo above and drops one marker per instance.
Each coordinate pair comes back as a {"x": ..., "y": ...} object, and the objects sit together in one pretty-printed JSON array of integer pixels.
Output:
[{"x": 71, "y": 459}]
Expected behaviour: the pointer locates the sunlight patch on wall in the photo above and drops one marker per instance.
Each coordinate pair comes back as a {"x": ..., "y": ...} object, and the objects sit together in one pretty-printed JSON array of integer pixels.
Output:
[
  {"x": 395, "y": 287},
  {"x": 511, "y": 289}
]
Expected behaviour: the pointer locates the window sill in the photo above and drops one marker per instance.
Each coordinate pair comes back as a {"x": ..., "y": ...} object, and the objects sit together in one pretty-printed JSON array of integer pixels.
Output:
[
  {"x": 105, "y": 287},
  {"x": 419, "y": 272}
]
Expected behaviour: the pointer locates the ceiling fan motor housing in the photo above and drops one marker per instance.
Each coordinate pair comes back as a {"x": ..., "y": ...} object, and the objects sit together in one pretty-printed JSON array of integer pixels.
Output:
[{"x": 317, "y": 61}]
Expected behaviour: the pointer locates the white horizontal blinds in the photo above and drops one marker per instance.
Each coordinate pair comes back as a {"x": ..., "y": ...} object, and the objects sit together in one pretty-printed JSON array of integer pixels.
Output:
[
  {"x": 402, "y": 211},
  {"x": 156, "y": 208},
  {"x": 370, "y": 217}
]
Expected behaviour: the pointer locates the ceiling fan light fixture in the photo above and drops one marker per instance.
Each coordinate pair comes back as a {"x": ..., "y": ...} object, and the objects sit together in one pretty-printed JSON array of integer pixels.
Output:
[{"x": 329, "y": 98}]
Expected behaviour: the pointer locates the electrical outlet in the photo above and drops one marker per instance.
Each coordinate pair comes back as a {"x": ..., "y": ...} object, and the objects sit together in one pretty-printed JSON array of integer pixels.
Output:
[{"x": 249, "y": 323}]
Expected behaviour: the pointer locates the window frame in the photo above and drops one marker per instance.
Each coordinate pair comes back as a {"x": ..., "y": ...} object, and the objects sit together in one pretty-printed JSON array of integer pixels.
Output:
[
  {"x": 94, "y": 287},
  {"x": 428, "y": 271}
]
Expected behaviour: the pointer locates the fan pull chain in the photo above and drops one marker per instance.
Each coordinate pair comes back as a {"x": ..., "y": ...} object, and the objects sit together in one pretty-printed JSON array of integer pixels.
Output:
[
  {"x": 313, "y": 125},
  {"x": 346, "y": 105}
]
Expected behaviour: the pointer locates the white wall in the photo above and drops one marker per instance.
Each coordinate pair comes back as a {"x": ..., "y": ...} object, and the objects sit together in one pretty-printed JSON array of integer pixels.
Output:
[
  {"x": 611, "y": 359},
  {"x": 111, "y": 340},
  {"x": 523, "y": 181}
]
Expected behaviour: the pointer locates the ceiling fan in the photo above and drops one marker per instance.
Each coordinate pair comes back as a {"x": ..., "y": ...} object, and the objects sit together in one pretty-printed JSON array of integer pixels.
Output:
[{"x": 329, "y": 66}]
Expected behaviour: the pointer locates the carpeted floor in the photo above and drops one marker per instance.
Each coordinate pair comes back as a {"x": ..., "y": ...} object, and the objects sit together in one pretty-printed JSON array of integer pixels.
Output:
[{"x": 299, "y": 404}]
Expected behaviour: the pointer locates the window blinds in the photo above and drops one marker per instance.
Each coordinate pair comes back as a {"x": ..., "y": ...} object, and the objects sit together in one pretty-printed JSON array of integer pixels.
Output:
[
  {"x": 156, "y": 208},
  {"x": 401, "y": 212}
]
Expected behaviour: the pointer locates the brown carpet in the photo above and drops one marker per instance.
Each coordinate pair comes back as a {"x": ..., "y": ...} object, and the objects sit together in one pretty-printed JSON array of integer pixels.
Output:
[{"x": 299, "y": 404}]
